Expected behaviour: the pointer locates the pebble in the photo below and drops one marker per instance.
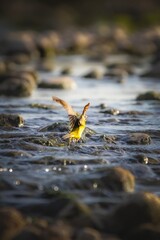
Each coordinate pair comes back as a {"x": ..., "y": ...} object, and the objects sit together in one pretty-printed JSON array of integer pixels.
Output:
[{"x": 58, "y": 83}]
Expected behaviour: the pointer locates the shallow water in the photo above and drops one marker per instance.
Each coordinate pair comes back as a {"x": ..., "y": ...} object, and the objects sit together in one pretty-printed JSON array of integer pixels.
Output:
[{"x": 36, "y": 168}]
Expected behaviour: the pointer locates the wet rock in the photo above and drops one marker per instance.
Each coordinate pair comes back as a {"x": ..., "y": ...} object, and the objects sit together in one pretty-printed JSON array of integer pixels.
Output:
[
  {"x": 41, "y": 231},
  {"x": 88, "y": 234},
  {"x": 9, "y": 120},
  {"x": 142, "y": 159},
  {"x": 41, "y": 106},
  {"x": 109, "y": 139},
  {"x": 118, "y": 179},
  {"x": 119, "y": 75},
  {"x": 11, "y": 223},
  {"x": 66, "y": 70},
  {"x": 111, "y": 111},
  {"x": 56, "y": 127},
  {"x": 46, "y": 65},
  {"x": 151, "y": 95},
  {"x": 135, "y": 113},
  {"x": 64, "y": 207},
  {"x": 136, "y": 210},
  {"x": 145, "y": 232},
  {"x": 154, "y": 72},
  {"x": 94, "y": 74},
  {"x": 18, "y": 83},
  {"x": 58, "y": 83},
  {"x": 19, "y": 46},
  {"x": 80, "y": 41},
  {"x": 45, "y": 46},
  {"x": 44, "y": 141},
  {"x": 115, "y": 179},
  {"x": 139, "y": 138}
]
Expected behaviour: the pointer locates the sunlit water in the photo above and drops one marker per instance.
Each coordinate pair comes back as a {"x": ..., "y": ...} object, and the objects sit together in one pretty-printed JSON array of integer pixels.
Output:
[{"x": 39, "y": 167}]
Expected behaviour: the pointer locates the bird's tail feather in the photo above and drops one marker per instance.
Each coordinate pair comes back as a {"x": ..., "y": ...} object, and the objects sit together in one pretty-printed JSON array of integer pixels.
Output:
[{"x": 66, "y": 136}]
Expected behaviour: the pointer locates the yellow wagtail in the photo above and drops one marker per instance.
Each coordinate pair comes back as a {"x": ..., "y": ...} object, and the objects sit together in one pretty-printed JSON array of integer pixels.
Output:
[{"x": 77, "y": 122}]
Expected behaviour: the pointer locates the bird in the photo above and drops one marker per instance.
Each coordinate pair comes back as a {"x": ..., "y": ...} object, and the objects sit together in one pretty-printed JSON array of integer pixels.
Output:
[{"x": 77, "y": 122}]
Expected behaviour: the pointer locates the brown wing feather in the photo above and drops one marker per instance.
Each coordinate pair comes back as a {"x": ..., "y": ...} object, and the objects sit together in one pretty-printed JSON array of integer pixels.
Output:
[
  {"x": 71, "y": 113},
  {"x": 85, "y": 108},
  {"x": 66, "y": 106}
]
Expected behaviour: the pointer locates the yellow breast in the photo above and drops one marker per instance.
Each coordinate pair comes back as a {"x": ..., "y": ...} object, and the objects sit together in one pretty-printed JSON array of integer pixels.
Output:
[{"x": 77, "y": 133}]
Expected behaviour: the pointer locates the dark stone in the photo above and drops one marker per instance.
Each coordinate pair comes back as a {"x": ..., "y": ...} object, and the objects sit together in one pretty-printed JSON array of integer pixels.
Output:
[
  {"x": 151, "y": 95},
  {"x": 11, "y": 223},
  {"x": 66, "y": 71},
  {"x": 19, "y": 46},
  {"x": 88, "y": 234},
  {"x": 137, "y": 209},
  {"x": 94, "y": 74},
  {"x": 118, "y": 179},
  {"x": 18, "y": 83},
  {"x": 154, "y": 72},
  {"x": 145, "y": 232},
  {"x": 9, "y": 120},
  {"x": 58, "y": 83},
  {"x": 139, "y": 138}
]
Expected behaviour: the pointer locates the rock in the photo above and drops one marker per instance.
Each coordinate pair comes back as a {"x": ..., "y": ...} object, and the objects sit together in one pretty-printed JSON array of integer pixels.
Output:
[
  {"x": 118, "y": 179},
  {"x": 139, "y": 138},
  {"x": 2, "y": 66},
  {"x": 46, "y": 65},
  {"x": 66, "y": 70},
  {"x": 136, "y": 210},
  {"x": 19, "y": 46},
  {"x": 88, "y": 234},
  {"x": 154, "y": 72},
  {"x": 80, "y": 41},
  {"x": 115, "y": 179},
  {"x": 10, "y": 120},
  {"x": 119, "y": 75},
  {"x": 41, "y": 106},
  {"x": 58, "y": 83},
  {"x": 145, "y": 232},
  {"x": 151, "y": 95},
  {"x": 45, "y": 46},
  {"x": 41, "y": 231},
  {"x": 111, "y": 111},
  {"x": 94, "y": 74},
  {"x": 18, "y": 83},
  {"x": 11, "y": 223}
]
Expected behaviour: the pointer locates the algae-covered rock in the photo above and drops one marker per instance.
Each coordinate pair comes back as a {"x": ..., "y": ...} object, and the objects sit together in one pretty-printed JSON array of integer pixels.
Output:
[
  {"x": 11, "y": 120},
  {"x": 136, "y": 210},
  {"x": 11, "y": 223},
  {"x": 118, "y": 179},
  {"x": 151, "y": 95},
  {"x": 114, "y": 179},
  {"x": 139, "y": 138}
]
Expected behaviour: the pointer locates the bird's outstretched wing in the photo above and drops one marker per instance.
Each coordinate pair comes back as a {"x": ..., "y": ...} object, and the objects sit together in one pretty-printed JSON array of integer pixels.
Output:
[
  {"x": 71, "y": 113},
  {"x": 85, "y": 108},
  {"x": 84, "y": 113}
]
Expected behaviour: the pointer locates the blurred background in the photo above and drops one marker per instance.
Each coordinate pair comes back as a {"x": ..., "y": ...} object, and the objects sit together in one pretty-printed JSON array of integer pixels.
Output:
[{"x": 47, "y": 14}]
